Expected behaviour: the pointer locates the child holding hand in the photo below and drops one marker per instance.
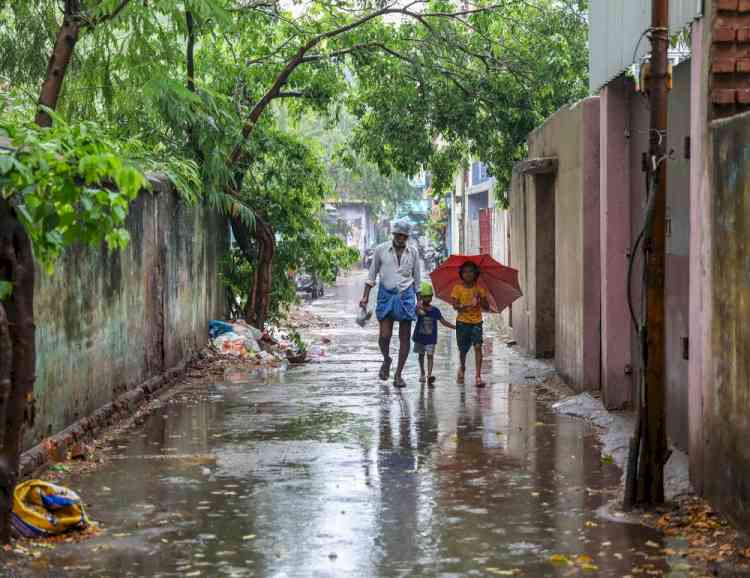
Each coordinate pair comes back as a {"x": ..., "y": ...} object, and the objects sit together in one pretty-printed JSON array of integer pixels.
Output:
[{"x": 425, "y": 332}]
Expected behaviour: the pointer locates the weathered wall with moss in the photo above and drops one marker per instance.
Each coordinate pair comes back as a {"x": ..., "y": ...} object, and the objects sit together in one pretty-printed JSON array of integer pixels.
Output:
[
  {"x": 726, "y": 406},
  {"x": 107, "y": 322}
]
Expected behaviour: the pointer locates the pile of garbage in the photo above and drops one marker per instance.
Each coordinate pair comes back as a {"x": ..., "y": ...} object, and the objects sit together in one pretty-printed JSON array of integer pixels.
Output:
[{"x": 272, "y": 348}]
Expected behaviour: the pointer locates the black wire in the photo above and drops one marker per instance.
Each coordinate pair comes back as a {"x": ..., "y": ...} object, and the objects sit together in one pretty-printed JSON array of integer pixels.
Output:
[{"x": 648, "y": 218}]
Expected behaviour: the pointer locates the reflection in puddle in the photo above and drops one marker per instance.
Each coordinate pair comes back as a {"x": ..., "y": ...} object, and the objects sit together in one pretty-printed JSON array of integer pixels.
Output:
[{"x": 330, "y": 473}]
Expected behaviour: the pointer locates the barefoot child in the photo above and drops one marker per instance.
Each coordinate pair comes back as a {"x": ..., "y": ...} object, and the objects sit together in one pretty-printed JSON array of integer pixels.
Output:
[
  {"x": 425, "y": 332},
  {"x": 468, "y": 300}
]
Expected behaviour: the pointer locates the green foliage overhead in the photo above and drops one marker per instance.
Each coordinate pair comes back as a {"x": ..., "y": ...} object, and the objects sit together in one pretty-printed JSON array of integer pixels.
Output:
[
  {"x": 476, "y": 90},
  {"x": 69, "y": 184},
  {"x": 426, "y": 84},
  {"x": 426, "y": 89},
  {"x": 353, "y": 176}
]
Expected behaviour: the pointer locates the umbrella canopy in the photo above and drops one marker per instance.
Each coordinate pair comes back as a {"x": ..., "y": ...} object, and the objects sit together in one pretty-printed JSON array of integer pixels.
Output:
[{"x": 501, "y": 282}]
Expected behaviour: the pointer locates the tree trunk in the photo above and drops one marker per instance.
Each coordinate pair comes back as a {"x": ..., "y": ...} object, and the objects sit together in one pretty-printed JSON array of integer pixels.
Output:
[
  {"x": 65, "y": 42},
  {"x": 264, "y": 238},
  {"x": 6, "y": 366},
  {"x": 190, "y": 50},
  {"x": 256, "y": 311},
  {"x": 17, "y": 326}
]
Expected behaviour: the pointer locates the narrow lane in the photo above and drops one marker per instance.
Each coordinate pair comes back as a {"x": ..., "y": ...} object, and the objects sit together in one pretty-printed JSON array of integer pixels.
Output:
[{"x": 325, "y": 471}]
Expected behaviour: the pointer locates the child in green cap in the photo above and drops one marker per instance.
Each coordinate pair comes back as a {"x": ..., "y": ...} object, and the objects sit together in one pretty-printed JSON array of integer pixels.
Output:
[{"x": 425, "y": 332}]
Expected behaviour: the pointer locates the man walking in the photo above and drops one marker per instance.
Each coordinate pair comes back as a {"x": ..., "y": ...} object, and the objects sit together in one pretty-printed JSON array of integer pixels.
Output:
[{"x": 397, "y": 264}]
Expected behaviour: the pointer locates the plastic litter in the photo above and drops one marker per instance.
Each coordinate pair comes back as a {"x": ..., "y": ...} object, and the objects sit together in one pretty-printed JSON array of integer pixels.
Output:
[
  {"x": 230, "y": 343},
  {"x": 42, "y": 509},
  {"x": 363, "y": 316},
  {"x": 251, "y": 345},
  {"x": 217, "y": 328},
  {"x": 274, "y": 349}
]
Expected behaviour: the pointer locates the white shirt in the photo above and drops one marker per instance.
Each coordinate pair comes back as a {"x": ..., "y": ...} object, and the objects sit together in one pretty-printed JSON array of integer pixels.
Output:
[{"x": 393, "y": 273}]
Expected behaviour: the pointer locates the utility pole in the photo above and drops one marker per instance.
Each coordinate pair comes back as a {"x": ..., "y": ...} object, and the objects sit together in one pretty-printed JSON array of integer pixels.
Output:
[{"x": 654, "y": 450}]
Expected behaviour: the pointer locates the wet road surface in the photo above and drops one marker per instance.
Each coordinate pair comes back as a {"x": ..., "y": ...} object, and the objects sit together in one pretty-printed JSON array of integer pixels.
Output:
[{"x": 325, "y": 471}]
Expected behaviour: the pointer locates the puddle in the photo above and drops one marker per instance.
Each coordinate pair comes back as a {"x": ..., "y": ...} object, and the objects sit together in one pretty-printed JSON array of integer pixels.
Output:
[{"x": 328, "y": 472}]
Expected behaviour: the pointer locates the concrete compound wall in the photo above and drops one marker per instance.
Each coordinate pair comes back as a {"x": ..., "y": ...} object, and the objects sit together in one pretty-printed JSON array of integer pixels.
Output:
[
  {"x": 107, "y": 322},
  {"x": 726, "y": 420},
  {"x": 624, "y": 136},
  {"x": 677, "y": 273},
  {"x": 567, "y": 321}
]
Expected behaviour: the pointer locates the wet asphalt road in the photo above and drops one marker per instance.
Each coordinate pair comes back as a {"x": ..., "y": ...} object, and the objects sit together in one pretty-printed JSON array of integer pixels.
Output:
[{"x": 324, "y": 471}]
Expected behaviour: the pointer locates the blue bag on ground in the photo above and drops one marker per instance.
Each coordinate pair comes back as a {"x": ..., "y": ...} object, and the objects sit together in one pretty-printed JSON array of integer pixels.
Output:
[{"x": 216, "y": 328}]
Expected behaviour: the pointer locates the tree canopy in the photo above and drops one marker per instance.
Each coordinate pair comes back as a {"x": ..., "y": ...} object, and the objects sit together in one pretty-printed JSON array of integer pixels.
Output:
[{"x": 428, "y": 82}]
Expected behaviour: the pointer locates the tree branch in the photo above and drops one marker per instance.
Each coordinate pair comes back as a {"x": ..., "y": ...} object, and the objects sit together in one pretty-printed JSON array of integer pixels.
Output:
[
  {"x": 293, "y": 94},
  {"x": 342, "y": 52},
  {"x": 190, "y": 50},
  {"x": 111, "y": 16},
  {"x": 299, "y": 57}
]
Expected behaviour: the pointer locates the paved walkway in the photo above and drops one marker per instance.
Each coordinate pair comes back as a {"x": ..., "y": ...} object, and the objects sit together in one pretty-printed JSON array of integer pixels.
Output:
[{"x": 325, "y": 471}]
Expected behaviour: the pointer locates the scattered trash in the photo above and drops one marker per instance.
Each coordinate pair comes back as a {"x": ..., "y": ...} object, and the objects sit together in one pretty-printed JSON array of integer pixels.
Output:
[
  {"x": 273, "y": 349},
  {"x": 41, "y": 509}
]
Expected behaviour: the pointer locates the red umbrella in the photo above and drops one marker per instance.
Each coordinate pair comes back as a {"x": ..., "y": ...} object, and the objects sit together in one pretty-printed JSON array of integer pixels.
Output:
[{"x": 501, "y": 282}]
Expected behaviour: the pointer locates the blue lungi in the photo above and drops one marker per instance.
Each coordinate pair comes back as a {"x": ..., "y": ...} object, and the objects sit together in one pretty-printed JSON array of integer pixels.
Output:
[{"x": 397, "y": 306}]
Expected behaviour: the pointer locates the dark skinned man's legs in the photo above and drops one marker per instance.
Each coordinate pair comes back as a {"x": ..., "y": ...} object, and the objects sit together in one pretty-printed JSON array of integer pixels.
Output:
[
  {"x": 384, "y": 341},
  {"x": 404, "y": 346}
]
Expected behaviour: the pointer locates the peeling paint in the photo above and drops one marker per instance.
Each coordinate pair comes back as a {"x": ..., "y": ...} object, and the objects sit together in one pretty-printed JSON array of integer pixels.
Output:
[{"x": 108, "y": 322}]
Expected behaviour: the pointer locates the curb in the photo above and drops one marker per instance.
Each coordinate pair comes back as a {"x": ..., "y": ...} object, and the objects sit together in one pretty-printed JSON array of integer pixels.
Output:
[{"x": 89, "y": 427}]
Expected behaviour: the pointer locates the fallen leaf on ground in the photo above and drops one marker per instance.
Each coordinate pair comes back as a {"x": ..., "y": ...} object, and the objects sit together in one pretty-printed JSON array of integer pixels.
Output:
[
  {"x": 499, "y": 572},
  {"x": 559, "y": 559}
]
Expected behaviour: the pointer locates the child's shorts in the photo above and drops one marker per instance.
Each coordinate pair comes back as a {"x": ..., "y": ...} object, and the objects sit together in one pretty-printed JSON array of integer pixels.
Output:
[
  {"x": 421, "y": 348},
  {"x": 468, "y": 335}
]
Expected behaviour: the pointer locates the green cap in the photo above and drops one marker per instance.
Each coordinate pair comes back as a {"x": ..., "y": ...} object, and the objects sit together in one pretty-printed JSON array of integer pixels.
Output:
[{"x": 426, "y": 289}]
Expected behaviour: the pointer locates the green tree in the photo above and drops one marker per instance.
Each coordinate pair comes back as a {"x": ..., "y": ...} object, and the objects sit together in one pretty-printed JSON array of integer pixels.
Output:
[
  {"x": 354, "y": 176},
  {"x": 59, "y": 186},
  {"x": 475, "y": 89}
]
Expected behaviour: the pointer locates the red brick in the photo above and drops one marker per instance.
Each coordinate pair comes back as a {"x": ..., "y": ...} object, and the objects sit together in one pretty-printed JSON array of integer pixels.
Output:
[
  {"x": 723, "y": 96},
  {"x": 743, "y": 96},
  {"x": 744, "y": 6},
  {"x": 743, "y": 35},
  {"x": 724, "y": 34},
  {"x": 727, "y": 4},
  {"x": 743, "y": 65},
  {"x": 723, "y": 65}
]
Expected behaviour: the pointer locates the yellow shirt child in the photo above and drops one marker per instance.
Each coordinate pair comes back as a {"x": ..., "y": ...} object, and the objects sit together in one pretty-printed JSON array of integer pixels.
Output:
[{"x": 470, "y": 299}]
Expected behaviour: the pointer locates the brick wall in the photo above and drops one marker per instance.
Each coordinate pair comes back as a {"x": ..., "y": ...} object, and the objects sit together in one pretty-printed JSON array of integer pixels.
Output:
[{"x": 730, "y": 58}]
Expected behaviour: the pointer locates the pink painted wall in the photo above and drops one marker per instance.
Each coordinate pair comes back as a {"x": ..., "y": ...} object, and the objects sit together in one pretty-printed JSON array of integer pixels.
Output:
[
  {"x": 571, "y": 135},
  {"x": 591, "y": 159},
  {"x": 699, "y": 369},
  {"x": 614, "y": 215}
]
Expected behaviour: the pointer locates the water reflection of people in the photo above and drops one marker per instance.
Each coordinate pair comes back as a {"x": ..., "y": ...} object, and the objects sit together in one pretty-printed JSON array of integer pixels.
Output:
[
  {"x": 427, "y": 422},
  {"x": 469, "y": 439},
  {"x": 398, "y": 485}
]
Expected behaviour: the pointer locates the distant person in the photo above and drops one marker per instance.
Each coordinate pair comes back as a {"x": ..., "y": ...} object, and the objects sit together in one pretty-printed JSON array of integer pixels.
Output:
[
  {"x": 425, "y": 332},
  {"x": 396, "y": 262},
  {"x": 468, "y": 300}
]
